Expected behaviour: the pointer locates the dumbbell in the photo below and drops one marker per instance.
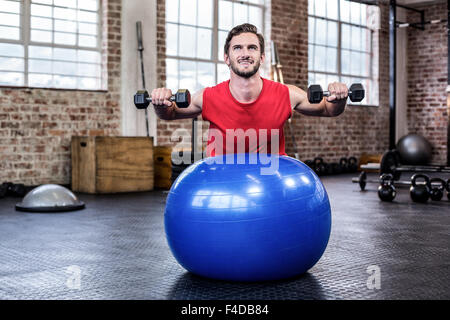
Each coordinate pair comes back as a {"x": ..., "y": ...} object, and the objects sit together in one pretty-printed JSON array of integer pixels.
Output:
[
  {"x": 315, "y": 93},
  {"x": 182, "y": 98}
]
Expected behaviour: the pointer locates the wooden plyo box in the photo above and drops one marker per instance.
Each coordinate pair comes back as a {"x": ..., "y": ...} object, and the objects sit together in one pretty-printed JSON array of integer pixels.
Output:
[
  {"x": 163, "y": 167},
  {"x": 112, "y": 164}
]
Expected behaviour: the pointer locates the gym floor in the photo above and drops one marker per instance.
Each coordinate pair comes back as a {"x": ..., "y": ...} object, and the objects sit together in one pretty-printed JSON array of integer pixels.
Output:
[{"x": 118, "y": 246}]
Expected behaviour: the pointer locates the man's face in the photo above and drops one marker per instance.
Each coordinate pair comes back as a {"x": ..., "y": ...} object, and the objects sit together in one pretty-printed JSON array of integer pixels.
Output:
[{"x": 244, "y": 55}]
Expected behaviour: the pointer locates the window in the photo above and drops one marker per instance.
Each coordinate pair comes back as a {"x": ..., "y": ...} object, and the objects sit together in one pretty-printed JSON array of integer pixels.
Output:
[
  {"x": 340, "y": 45},
  {"x": 50, "y": 43},
  {"x": 195, "y": 40}
]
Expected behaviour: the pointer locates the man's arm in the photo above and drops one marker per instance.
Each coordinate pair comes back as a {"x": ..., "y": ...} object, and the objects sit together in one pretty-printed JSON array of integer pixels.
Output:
[
  {"x": 168, "y": 110},
  {"x": 331, "y": 106}
]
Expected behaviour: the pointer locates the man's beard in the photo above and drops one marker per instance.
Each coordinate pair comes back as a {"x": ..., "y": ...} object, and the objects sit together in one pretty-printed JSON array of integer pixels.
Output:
[{"x": 245, "y": 74}]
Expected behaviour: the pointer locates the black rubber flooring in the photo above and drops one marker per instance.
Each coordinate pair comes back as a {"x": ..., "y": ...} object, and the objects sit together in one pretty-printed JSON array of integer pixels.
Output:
[{"x": 117, "y": 247}]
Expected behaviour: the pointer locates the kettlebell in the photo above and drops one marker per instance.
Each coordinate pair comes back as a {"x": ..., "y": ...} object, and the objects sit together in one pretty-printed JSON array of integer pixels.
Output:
[
  {"x": 386, "y": 190},
  {"x": 420, "y": 192},
  {"x": 352, "y": 164},
  {"x": 362, "y": 180},
  {"x": 344, "y": 164},
  {"x": 447, "y": 187},
  {"x": 319, "y": 166},
  {"x": 437, "y": 190}
]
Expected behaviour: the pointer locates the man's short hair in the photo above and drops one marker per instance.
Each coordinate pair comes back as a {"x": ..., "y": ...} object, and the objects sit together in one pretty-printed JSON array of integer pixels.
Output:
[{"x": 244, "y": 28}]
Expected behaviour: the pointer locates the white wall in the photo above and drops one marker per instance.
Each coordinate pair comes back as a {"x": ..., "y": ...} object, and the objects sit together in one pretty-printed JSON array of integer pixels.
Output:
[
  {"x": 133, "y": 120},
  {"x": 401, "y": 125}
]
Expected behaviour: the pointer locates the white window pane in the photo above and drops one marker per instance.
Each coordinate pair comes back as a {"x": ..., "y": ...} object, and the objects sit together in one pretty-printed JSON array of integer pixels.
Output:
[
  {"x": 256, "y": 1},
  {"x": 10, "y": 6},
  {"x": 65, "y": 38},
  {"x": 65, "y": 54},
  {"x": 9, "y": 33},
  {"x": 255, "y": 17},
  {"x": 332, "y": 34},
  {"x": 87, "y": 28},
  {"x": 363, "y": 14},
  {"x": 64, "y": 82},
  {"x": 187, "y": 41},
  {"x": 41, "y": 23},
  {"x": 10, "y": 19},
  {"x": 11, "y": 78},
  {"x": 311, "y": 27},
  {"x": 188, "y": 12},
  {"x": 345, "y": 11},
  {"x": 41, "y": 10},
  {"x": 62, "y": 13},
  {"x": 66, "y": 3},
  {"x": 39, "y": 66},
  {"x": 365, "y": 46},
  {"x": 320, "y": 8},
  {"x": 171, "y": 39},
  {"x": 332, "y": 78},
  {"x": 311, "y": 7},
  {"x": 85, "y": 16},
  {"x": 88, "y": 56},
  {"x": 205, "y": 13},
  {"x": 355, "y": 12},
  {"x": 39, "y": 80},
  {"x": 321, "y": 32},
  {"x": 311, "y": 78},
  {"x": 11, "y": 64},
  {"x": 345, "y": 36},
  {"x": 321, "y": 79},
  {"x": 205, "y": 75},
  {"x": 11, "y": 50},
  {"x": 223, "y": 72},
  {"x": 67, "y": 68},
  {"x": 225, "y": 15},
  {"x": 355, "y": 66},
  {"x": 331, "y": 60},
  {"x": 91, "y": 5},
  {"x": 87, "y": 41},
  {"x": 222, "y": 39},
  {"x": 88, "y": 70},
  {"x": 240, "y": 13},
  {"x": 204, "y": 43},
  {"x": 345, "y": 61},
  {"x": 41, "y": 36},
  {"x": 172, "y": 10},
  {"x": 187, "y": 75},
  {"x": 365, "y": 65},
  {"x": 172, "y": 74},
  {"x": 332, "y": 9},
  {"x": 88, "y": 83},
  {"x": 50, "y": 2},
  {"x": 67, "y": 26},
  {"x": 40, "y": 52},
  {"x": 356, "y": 38},
  {"x": 320, "y": 58}
]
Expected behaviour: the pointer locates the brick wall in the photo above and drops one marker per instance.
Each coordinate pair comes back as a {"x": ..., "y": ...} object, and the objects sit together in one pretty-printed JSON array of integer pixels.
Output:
[
  {"x": 36, "y": 125},
  {"x": 427, "y": 80}
]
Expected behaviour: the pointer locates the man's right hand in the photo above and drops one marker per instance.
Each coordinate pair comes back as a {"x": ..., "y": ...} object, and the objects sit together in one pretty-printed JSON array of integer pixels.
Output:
[{"x": 161, "y": 97}]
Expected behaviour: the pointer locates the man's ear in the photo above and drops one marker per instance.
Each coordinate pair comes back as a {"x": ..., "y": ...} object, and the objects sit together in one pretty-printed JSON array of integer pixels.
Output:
[
  {"x": 263, "y": 57},
  {"x": 226, "y": 58}
]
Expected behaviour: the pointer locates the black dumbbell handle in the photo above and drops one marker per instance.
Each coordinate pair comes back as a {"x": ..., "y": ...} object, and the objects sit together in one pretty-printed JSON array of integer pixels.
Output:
[
  {"x": 327, "y": 93},
  {"x": 172, "y": 98}
]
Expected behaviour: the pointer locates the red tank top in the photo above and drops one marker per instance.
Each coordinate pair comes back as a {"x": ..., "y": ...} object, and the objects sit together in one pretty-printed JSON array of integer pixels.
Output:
[{"x": 237, "y": 127}]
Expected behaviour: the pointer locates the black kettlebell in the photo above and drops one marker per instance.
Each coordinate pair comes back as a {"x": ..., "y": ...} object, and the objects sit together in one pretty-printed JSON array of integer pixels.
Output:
[
  {"x": 344, "y": 164},
  {"x": 352, "y": 164},
  {"x": 362, "y": 180},
  {"x": 386, "y": 190},
  {"x": 447, "y": 187},
  {"x": 420, "y": 192},
  {"x": 310, "y": 163},
  {"x": 437, "y": 190},
  {"x": 319, "y": 166}
]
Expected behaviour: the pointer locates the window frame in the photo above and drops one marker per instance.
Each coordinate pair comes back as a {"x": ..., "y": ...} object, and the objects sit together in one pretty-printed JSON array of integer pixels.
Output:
[
  {"x": 25, "y": 41},
  {"x": 339, "y": 74},
  {"x": 215, "y": 59}
]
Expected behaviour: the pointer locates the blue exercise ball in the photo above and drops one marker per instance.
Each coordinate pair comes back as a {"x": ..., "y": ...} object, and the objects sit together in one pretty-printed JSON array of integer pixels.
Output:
[{"x": 265, "y": 219}]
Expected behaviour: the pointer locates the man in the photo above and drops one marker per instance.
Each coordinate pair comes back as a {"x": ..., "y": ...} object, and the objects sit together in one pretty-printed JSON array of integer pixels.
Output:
[{"x": 247, "y": 112}]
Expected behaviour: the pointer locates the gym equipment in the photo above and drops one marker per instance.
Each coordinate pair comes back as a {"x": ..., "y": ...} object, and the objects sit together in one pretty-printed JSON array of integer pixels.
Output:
[
  {"x": 319, "y": 166},
  {"x": 182, "y": 98},
  {"x": 50, "y": 198},
  {"x": 414, "y": 149},
  {"x": 141, "y": 58},
  {"x": 437, "y": 191},
  {"x": 12, "y": 189},
  {"x": 226, "y": 219},
  {"x": 343, "y": 163},
  {"x": 420, "y": 193},
  {"x": 447, "y": 187},
  {"x": 352, "y": 164},
  {"x": 316, "y": 94},
  {"x": 386, "y": 190}
]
